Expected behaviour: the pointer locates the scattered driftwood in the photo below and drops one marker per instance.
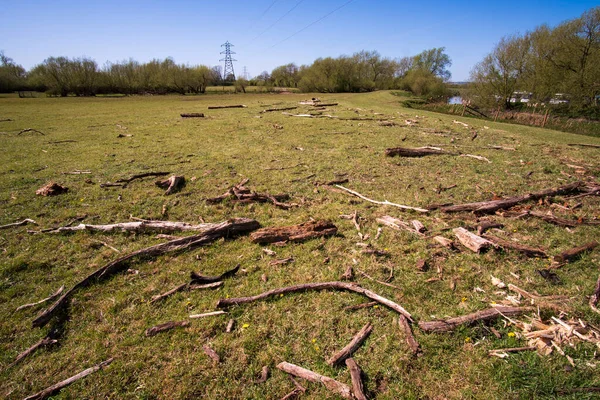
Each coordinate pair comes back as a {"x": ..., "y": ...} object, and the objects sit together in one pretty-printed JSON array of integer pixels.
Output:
[
  {"x": 278, "y": 109},
  {"x": 508, "y": 245},
  {"x": 385, "y": 202},
  {"x": 49, "y": 391},
  {"x": 351, "y": 347},
  {"x": 410, "y": 337},
  {"x": 471, "y": 241},
  {"x": 416, "y": 152},
  {"x": 30, "y": 130},
  {"x": 192, "y": 115},
  {"x": 211, "y": 353},
  {"x": 571, "y": 254},
  {"x": 199, "y": 278},
  {"x": 47, "y": 341},
  {"x": 336, "y": 387},
  {"x": 51, "y": 297},
  {"x": 399, "y": 225},
  {"x": 484, "y": 315},
  {"x": 342, "y": 286},
  {"x": 136, "y": 226},
  {"x": 173, "y": 184},
  {"x": 356, "y": 376},
  {"x": 225, "y": 229},
  {"x": 233, "y": 106},
  {"x": 20, "y": 223},
  {"x": 165, "y": 327},
  {"x": 488, "y": 207},
  {"x": 242, "y": 194},
  {"x": 294, "y": 233},
  {"x": 51, "y": 189},
  {"x": 208, "y": 314},
  {"x": 595, "y": 297}
]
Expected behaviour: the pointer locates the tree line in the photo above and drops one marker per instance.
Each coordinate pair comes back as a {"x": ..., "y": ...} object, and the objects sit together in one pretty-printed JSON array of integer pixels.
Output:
[
  {"x": 560, "y": 63},
  {"x": 423, "y": 74}
]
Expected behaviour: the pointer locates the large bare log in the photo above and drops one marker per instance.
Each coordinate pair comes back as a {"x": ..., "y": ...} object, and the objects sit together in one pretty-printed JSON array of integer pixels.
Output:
[
  {"x": 233, "y": 106},
  {"x": 199, "y": 278},
  {"x": 484, "y": 315},
  {"x": 505, "y": 244},
  {"x": 278, "y": 109},
  {"x": 416, "y": 152},
  {"x": 356, "y": 376},
  {"x": 399, "y": 225},
  {"x": 351, "y": 347},
  {"x": 173, "y": 184},
  {"x": 350, "y": 287},
  {"x": 138, "y": 227},
  {"x": 571, "y": 254},
  {"x": 294, "y": 233},
  {"x": 410, "y": 337},
  {"x": 488, "y": 207},
  {"x": 472, "y": 241},
  {"x": 224, "y": 229},
  {"x": 336, "y": 387},
  {"x": 49, "y": 391},
  {"x": 384, "y": 203},
  {"x": 20, "y": 223},
  {"x": 165, "y": 327}
]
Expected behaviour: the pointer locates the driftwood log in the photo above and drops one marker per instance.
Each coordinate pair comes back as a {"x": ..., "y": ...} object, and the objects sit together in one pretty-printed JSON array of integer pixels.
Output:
[
  {"x": 233, "y": 106},
  {"x": 278, "y": 109},
  {"x": 334, "y": 386},
  {"x": 484, "y": 315},
  {"x": 240, "y": 193},
  {"x": 416, "y": 152},
  {"x": 224, "y": 229},
  {"x": 138, "y": 227},
  {"x": 173, "y": 184},
  {"x": 165, "y": 327},
  {"x": 571, "y": 254},
  {"x": 488, "y": 207},
  {"x": 192, "y": 115},
  {"x": 351, "y": 347},
  {"x": 342, "y": 286},
  {"x": 294, "y": 233},
  {"x": 508, "y": 245},
  {"x": 49, "y": 391},
  {"x": 471, "y": 240},
  {"x": 356, "y": 375}
]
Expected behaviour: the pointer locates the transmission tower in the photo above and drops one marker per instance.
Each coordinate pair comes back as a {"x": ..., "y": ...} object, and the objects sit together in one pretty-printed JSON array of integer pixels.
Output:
[
  {"x": 245, "y": 73},
  {"x": 228, "y": 70}
]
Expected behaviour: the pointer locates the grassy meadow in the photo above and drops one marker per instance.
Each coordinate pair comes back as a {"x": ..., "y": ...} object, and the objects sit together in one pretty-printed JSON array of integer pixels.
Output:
[{"x": 281, "y": 154}]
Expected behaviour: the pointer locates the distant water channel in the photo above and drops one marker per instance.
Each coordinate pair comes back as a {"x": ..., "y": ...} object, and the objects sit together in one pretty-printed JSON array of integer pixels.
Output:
[{"x": 455, "y": 100}]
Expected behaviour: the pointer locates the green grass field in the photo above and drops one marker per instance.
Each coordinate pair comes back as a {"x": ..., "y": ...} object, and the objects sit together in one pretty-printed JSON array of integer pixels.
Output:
[{"x": 280, "y": 154}]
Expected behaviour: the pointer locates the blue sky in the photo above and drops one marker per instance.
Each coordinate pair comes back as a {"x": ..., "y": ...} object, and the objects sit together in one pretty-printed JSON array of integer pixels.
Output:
[{"x": 192, "y": 31}]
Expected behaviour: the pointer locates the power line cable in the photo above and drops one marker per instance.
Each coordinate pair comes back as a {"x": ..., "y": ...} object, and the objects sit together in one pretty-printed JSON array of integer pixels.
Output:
[
  {"x": 267, "y": 10},
  {"x": 314, "y": 22},
  {"x": 280, "y": 18}
]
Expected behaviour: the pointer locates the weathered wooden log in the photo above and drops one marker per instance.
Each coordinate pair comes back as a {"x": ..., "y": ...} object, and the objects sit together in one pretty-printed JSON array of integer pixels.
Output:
[
  {"x": 46, "y": 341},
  {"x": 484, "y": 315},
  {"x": 233, "y": 106},
  {"x": 168, "y": 293},
  {"x": 351, "y": 347},
  {"x": 294, "y": 233},
  {"x": 350, "y": 287},
  {"x": 192, "y": 115},
  {"x": 508, "y": 245},
  {"x": 410, "y": 337},
  {"x": 165, "y": 327},
  {"x": 356, "y": 376},
  {"x": 571, "y": 254},
  {"x": 488, "y": 207},
  {"x": 199, "y": 278},
  {"x": 278, "y": 109},
  {"x": 383, "y": 203},
  {"x": 137, "y": 226},
  {"x": 449, "y": 244},
  {"x": 416, "y": 152},
  {"x": 334, "y": 386},
  {"x": 49, "y": 391},
  {"x": 51, "y": 189},
  {"x": 472, "y": 241},
  {"x": 242, "y": 194},
  {"x": 399, "y": 225},
  {"x": 487, "y": 225},
  {"x": 20, "y": 223},
  {"x": 173, "y": 184},
  {"x": 208, "y": 314},
  {"x": 225, "y": 229}
]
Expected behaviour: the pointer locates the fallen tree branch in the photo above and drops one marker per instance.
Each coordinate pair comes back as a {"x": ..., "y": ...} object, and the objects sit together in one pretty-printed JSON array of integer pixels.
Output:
[
  {"x": 51, "y": 297},
  {"x": 278, "y": 109},
  {"x": 351, "y": 287},
  {"x": 487, "y": 207},
  {"x": 356, "y": 376},
  {"x": 225, "y": 229},
  {"x": 233, "y": 106},
  {"x": 126, "y": 181},
  {"x": 49, "y": 391},
  {"x": 471, "y": 241},
  {"x": 334, "y": 386},
  {"x": 20, "y": 223},
  {"x": 30, "y": 130},
  {"x": 199, "y": 278},
  {"x": 397, "y": 224},
  {"x": 584, "y": 145},
  {"x": 410, "y": 337},
  {"x": 571, "y": 254},
  {"x": 484, "y": 315},
  {"x": 351, "y": 347},
  {"x": 242, "y": 194},
  {"x": 480, "y": 158},
  {"x": 294, "y": 233},
  {"x": 165, "y": 327},
  {"x": 168, "y": 293},
  {"x": 136, "y": 226},
  {"x": 208, "y": 314},
  {"x": 173, "y": 184},
  {"x": 526, "y": 250},
  {"x": 416, "y": 152},
  {"x": 47, "y": 341},
  {"x": 385, "y": 202},
  {"x": 192, "y": 115}
]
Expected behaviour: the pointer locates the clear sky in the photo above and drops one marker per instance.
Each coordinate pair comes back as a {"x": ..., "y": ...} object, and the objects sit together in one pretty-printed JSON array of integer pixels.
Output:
[{"x": 192, "y": 31}]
